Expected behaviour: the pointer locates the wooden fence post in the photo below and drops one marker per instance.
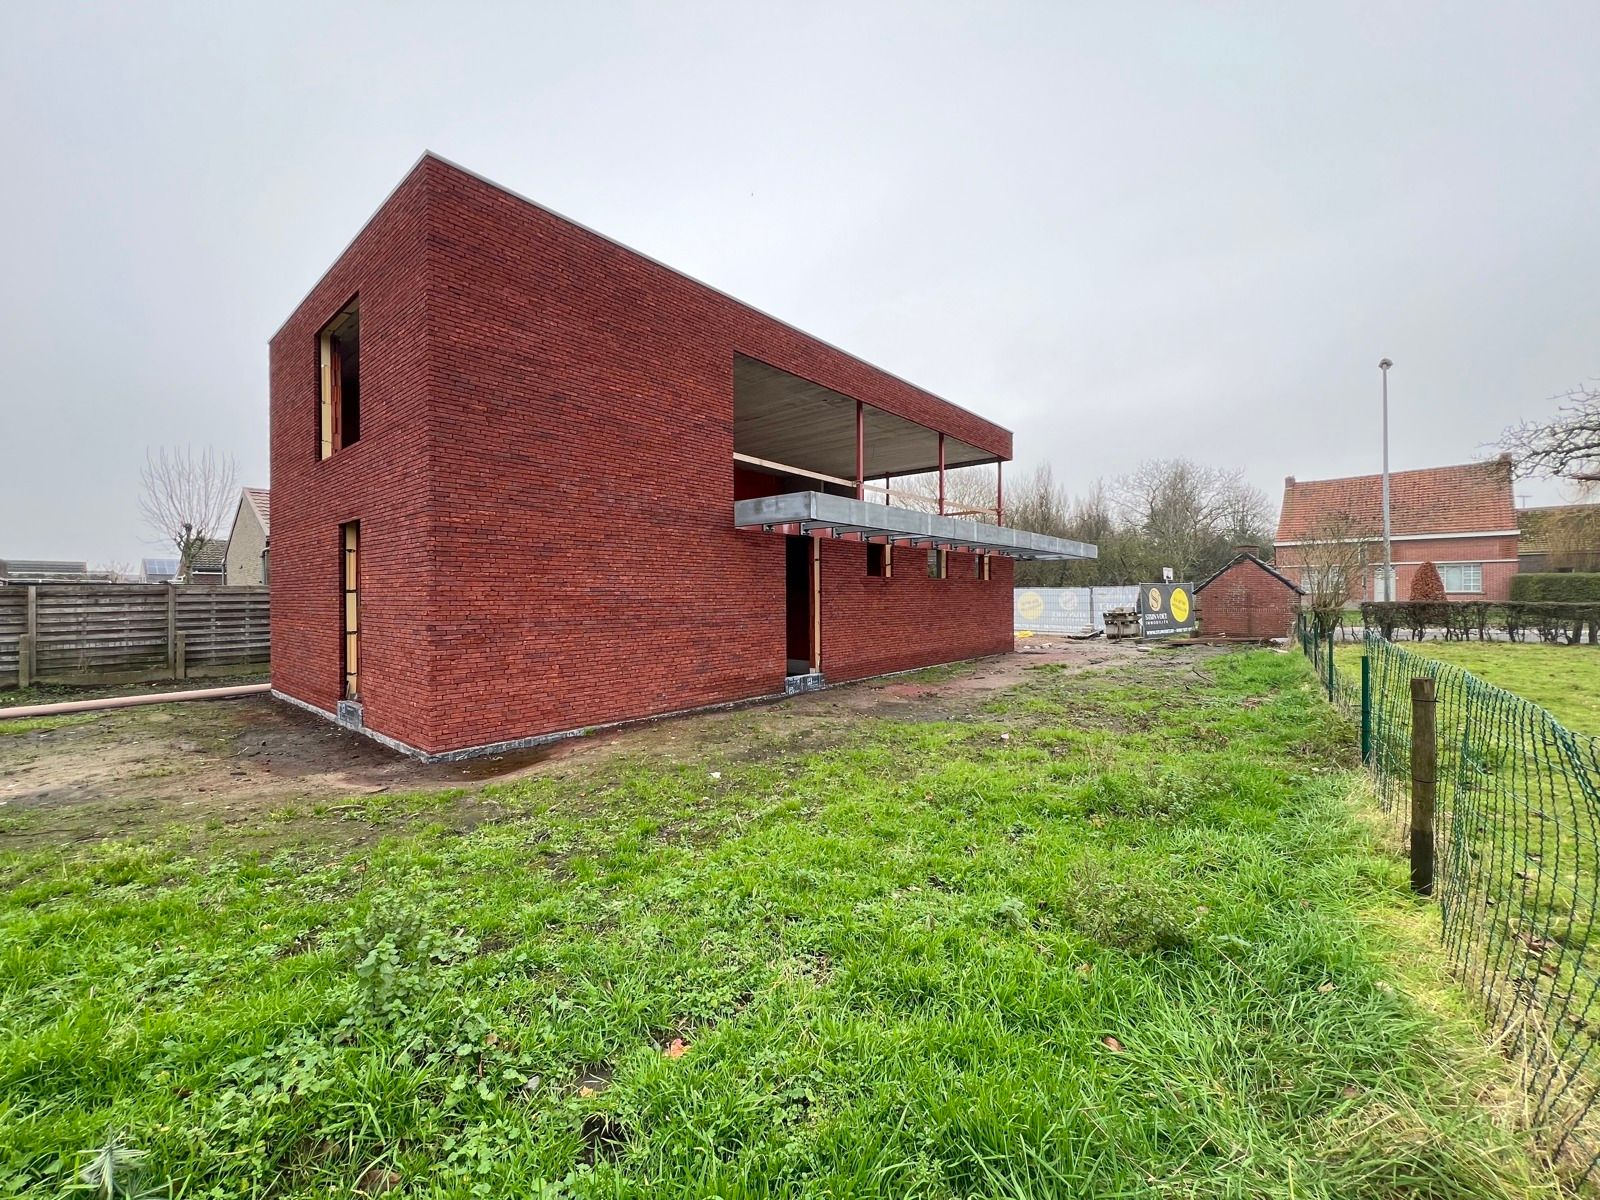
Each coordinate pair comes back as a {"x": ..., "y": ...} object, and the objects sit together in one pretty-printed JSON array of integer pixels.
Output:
[
  {"x": 180, "y": 655},
  {"x": 1424, "y": 767},
  {"x": 28, "y": 643},
  {"x": 172, "y": 632}
]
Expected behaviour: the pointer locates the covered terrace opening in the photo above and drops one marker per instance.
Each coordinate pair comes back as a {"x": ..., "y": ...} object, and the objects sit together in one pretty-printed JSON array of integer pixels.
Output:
[{"x": 810, "y": 462}]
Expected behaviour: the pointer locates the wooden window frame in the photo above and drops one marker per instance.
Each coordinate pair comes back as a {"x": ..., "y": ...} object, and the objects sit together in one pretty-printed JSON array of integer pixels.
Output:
[
  {"x": 350, "y": 608},
  {"x": 330, "y": 382}
]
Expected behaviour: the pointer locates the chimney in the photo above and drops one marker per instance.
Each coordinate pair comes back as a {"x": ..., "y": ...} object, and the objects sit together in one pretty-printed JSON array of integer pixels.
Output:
[
  {"x": 1288, "y": 481},
  {"x": 1248, "y": 548}
]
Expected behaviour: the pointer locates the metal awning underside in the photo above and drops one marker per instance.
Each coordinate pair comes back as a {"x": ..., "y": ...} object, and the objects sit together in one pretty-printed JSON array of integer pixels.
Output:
[
  {"x": 783, "y": 418},
  {"x": 813, "y": 511}
]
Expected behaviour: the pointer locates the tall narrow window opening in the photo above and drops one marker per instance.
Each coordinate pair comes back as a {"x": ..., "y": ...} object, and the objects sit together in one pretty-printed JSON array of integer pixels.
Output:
[
  {"x": 339, "y": 367},
  {"x": 350, "y": 536}
]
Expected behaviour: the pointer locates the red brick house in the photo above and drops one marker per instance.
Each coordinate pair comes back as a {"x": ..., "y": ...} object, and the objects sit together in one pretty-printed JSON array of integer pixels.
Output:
[
  {"x": 1247, "y": 598},
  {"x": 1463, "y": 519},
  {"x": 526, "y": 481}
]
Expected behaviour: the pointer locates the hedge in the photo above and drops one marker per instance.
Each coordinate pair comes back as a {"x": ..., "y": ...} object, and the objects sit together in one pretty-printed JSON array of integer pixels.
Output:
[
  {"x": 1563, "y": 587},
  {"x": 1550, "y": 621}
]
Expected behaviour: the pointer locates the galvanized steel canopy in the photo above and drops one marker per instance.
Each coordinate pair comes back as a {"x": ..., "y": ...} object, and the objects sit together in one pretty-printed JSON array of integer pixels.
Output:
[{"x": 810, "y": 511}]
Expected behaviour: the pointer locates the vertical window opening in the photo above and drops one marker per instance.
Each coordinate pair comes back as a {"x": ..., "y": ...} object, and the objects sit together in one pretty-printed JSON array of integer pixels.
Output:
[
  {"x": 938, "y": 564},
  {"x": 339, "y": 363},
  {"x": 351, "y": 537},
  {"x": 878, "y": 560}
]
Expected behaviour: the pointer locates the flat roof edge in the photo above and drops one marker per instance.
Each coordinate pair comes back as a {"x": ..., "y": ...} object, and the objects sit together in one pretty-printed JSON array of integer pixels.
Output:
[{"x": 560, "y": 216}]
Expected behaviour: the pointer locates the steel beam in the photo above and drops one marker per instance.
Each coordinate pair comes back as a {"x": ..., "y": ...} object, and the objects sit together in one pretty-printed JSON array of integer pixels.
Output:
[{"x": 819, "y": 510}]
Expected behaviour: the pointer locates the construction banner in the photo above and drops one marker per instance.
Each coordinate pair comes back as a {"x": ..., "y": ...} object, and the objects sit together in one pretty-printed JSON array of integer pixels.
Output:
[{"x": 1166, "y": 608}]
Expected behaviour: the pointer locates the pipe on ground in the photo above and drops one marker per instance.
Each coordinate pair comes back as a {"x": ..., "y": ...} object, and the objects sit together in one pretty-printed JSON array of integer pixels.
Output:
[{"x": 108, "y": 702}]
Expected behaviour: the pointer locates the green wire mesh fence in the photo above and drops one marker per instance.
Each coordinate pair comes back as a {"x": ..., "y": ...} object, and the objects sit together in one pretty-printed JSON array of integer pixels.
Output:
[{"x": 1517, "y": 848}]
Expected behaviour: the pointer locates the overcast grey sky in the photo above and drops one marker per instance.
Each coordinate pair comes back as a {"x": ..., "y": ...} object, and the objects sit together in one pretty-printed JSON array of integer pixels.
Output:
[{"x": 1125, "y": 231}]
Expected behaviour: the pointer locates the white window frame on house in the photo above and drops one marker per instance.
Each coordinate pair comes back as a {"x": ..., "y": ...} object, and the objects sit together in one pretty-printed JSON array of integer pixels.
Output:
[
  {"x": 1462, "y": 579},
  {"x": 1311, "y": 578}
]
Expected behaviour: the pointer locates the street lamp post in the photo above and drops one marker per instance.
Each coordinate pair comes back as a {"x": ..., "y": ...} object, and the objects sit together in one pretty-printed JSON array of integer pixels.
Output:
[{"x": 1388, "y": 554}]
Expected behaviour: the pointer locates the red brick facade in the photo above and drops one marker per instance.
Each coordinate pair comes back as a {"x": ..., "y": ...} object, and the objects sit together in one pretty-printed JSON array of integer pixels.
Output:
[
  {"x": 545, "y": 488},
  {"x": 1246, "y": 599},
  {"x": 1496, "y": 557}
]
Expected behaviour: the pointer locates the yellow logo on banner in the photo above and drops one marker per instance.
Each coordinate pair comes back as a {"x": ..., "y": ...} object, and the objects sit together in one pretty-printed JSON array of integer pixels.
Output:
[
  {"x": 1180, "y": 605},
  {"x": 1155, "y": 600},
  {"x": 1030, "y": 605}
]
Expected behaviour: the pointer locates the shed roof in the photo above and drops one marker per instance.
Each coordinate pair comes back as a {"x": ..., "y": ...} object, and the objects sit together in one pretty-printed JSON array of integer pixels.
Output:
[
  {"x": 1246, "y": 556},
  {"x": 1468, "y": 498},
  {"x": 211, "y": 556}
]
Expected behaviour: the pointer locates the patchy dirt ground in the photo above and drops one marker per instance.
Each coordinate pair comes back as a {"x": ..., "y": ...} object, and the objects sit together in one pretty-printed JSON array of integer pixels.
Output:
[{"x": 261, "y": 769}]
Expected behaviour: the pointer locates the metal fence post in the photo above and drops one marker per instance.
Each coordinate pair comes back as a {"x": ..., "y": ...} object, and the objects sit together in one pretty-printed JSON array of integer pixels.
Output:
[
  {"x": 1424, "y": 762},
  {"x": 1366, "y": 709},
  {"x": 1330, "y": 667}
]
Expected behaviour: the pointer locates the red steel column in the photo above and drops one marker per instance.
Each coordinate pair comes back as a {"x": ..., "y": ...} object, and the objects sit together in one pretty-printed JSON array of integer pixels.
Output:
[
  {"x": 941, "y": 474},
  {"x": 861, "y": 452}
]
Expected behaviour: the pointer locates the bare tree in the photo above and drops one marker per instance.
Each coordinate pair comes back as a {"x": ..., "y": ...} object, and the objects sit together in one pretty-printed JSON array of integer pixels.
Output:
[
  {"x": 186, "y": 498},
  {"x": 1565, "y": 446},
  {"x": 1568, "y": 536},
  {"x": 1190, "y": 516},
  {"x": 1037, "y": 503},
  {"x": 968, "y": 492},
  {"x": 1334, "y": 560}
]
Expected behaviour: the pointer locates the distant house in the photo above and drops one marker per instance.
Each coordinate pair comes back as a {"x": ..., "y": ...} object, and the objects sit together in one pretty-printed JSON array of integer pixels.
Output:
[
  {"x": 248, "y": 542},
  {"x": 1560, "y": 537},
  {"x": 158, "y": 570},
  {"x": 29, "y": 570},
  {"x": 1463, "y": 519},
  {"x": 206, "y": 564}
]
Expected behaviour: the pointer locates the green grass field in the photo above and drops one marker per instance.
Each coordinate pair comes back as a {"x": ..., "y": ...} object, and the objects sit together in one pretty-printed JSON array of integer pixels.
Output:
[
  {"x": 1110, "y": 934},
  {"x": 1563, "y": 679}
]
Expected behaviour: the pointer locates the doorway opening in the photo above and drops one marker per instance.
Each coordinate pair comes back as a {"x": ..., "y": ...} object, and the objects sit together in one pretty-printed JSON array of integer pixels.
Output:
[{"x": 800, "y": 598}]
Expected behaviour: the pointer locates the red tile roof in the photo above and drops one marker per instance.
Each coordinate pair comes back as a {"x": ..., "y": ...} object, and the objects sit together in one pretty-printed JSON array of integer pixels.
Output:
[
  {"x": 1470, "y": 498},
  {"x": 261, "y": 500}
]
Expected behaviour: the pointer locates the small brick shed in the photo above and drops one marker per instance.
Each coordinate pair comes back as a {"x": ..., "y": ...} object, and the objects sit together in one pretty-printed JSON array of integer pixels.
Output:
[
  {"x": 1248, "y": 598},
  {"x": 527, "y": 481}
]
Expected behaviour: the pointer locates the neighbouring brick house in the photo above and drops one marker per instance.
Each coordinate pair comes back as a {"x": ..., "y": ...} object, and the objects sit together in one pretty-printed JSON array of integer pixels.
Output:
[
  {"x": 1247, "y": 598},
  {"x": 527, "y": 481},
  {"x": 248, "y": 539},
  {"x": 1463, "y": 519}
]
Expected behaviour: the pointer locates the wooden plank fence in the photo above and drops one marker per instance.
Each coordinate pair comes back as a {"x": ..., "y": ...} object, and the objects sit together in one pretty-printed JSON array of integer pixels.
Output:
[{"x": 109, "y": 632}]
